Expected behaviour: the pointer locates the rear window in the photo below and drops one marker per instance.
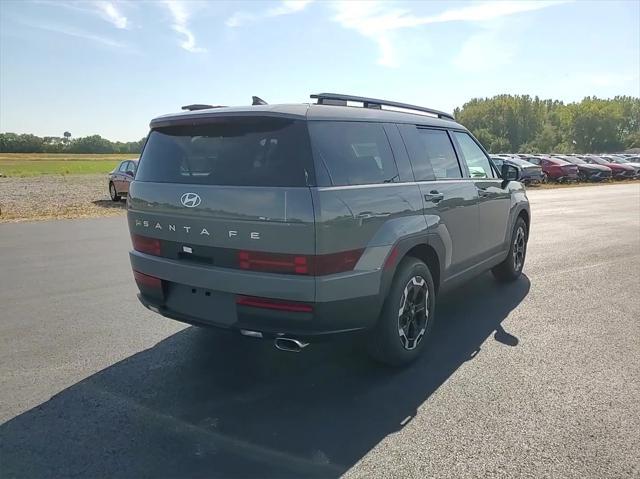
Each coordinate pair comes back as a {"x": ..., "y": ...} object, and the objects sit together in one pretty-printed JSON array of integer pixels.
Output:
[
  {"x": 231, "y": 151},
  {"x": 353, "y": 153}
]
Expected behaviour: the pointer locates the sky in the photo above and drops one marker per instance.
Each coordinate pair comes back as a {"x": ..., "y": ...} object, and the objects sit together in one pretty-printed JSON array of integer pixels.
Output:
[{"x": 109, "y": 67}]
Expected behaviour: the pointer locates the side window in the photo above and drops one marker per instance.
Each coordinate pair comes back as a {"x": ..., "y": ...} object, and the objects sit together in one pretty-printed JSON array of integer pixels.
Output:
[
  {"x": 131, "y": 166},
  {"x": 123, "y": 166},
  {"x": 353, "y": 153},
  {"x": 435, "y": 154},
  {"x": 477, "y": 162}
]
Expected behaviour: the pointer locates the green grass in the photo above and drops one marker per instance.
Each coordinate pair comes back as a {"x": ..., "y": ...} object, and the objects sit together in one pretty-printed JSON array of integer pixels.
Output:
[{"x": 38, "y": 164}]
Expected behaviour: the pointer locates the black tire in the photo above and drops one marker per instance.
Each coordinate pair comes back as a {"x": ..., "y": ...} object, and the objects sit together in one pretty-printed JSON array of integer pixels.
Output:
[
  {"x": 386, "y": 343},
  {"x": 113, "y": 193},
  {"x": 511, "y": 268}
]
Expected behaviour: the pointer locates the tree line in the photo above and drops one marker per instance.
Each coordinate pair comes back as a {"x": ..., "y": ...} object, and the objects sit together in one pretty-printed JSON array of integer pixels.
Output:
[
  {"x": 519, "y": 123},
  {"x": 27, "y": 143},
  {"x": 503, "y": 124}
]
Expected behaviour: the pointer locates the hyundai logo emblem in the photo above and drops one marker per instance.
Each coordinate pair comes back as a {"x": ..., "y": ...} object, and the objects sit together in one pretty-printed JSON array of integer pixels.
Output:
[{"x": 190, "y": 200}]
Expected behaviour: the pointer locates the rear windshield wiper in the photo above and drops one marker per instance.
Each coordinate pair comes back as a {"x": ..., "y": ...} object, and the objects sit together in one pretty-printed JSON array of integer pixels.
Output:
[{"x": 392, "y": 179}]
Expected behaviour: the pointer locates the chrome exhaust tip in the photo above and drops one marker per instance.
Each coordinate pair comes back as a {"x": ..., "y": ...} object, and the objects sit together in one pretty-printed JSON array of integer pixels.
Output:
[{"x": 289, "y": 344}]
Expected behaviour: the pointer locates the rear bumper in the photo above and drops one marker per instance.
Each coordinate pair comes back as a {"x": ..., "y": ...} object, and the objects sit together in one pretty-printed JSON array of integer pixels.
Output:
[
  {"x": 595, "y": 175},
  {"x": 206, "y": 296},
  {"x": 327, "y": 320},
  {"x": 624, "y": 175},
  {"x": 564, "y": 177},
  {"x": 532, "y": 178}
]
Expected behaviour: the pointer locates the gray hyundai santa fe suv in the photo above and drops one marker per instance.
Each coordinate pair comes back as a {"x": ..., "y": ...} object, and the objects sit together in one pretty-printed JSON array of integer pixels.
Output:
[{"x": 298, "y": 222}]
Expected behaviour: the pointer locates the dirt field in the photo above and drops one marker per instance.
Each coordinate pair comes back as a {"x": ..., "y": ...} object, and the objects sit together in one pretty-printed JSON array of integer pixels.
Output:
[{"x": 47, "y": 197}]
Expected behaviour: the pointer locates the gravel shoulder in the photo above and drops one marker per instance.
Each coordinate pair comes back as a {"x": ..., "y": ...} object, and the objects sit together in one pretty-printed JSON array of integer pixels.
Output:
[
  {"x": 85, "y": 196},
  {"x": 56, "y": 197}
]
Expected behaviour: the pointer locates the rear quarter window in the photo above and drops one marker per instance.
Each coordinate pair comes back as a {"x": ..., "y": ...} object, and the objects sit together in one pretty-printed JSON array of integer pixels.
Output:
[
  {"x": 254, "y": 151},
  {"x": 477, "y": 162},
  {"x": 352, "y": 153}
]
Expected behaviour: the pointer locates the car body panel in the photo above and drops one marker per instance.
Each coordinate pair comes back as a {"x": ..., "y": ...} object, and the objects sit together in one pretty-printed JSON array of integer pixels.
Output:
[
  {"x": 555, "y": 169},
  {"x": 122, "y": 175},
  {"x": 588, "y": 171},
  {"x": 528, "y": 172},
  {"x": 618, "y": 171},
  {"x": 199, "y": 242}
]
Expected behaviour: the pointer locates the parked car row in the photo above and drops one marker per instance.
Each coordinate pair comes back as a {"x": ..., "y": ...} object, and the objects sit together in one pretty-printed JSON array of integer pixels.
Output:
[{"x": 537, "y": 168}]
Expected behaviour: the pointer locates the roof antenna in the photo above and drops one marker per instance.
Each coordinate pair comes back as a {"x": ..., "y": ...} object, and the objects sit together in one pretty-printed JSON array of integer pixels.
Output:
[{"x": 258, "y": 101}]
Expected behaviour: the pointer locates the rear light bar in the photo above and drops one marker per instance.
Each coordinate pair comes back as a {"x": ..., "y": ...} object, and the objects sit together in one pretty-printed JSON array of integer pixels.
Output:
[
  {"x": 312, "y": 265},
  {"x": 273, "y": 262},
  {"x": 147, "y": 245},
  {"x": 275, "y": 304}
]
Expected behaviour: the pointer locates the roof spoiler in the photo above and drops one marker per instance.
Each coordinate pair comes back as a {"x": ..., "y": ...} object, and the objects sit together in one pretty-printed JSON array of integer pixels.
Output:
[
  {"x": 340, "y": 99},
  {"x": 255, "y": 100},
  {"x": 200, "y": 106}
]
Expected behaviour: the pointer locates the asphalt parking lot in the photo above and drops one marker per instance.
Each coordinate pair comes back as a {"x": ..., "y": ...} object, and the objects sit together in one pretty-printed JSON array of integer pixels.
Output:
[{"x": 540, "y": 378}]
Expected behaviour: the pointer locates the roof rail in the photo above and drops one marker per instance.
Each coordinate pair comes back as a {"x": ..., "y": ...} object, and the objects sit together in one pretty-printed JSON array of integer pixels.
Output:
[
  {"x": 329, "y": 98},
  {"x": 199, "y": 106}
]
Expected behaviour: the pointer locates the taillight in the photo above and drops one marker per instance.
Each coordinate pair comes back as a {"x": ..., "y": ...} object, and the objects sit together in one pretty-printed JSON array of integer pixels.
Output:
[
  {"x": 298, "y": 264},
  {"x": 147, "y": 245},
  {"x": 336, "y": 262},
  {"x": 276, "y": 304},
  {"x": 391, "y": 259},
  {"x": 144, "y": 280},
  {"x": 273, "y": 262}
]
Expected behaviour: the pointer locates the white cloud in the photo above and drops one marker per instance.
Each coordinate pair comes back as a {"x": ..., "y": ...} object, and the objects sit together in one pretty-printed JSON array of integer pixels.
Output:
[
  {"x": 286, "y": 7},
  {"x": 181, "y": 16},
  {"x": 110, "y": 13},
  {"x": 77, "y": 33},
  {"x": 104, "y": 9},
  {"x": 378, "y": 21},
  {"x": 484, "y": 52}
]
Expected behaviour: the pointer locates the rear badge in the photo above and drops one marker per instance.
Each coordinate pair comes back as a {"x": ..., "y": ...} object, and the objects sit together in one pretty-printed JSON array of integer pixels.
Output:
[{"x": 187, "y": 249}]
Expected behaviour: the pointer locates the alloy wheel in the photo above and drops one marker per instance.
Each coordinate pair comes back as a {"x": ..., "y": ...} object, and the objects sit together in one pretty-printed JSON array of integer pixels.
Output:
[
  {"x": 519, "y": 246},
  {"x": 413, "y": 313}
]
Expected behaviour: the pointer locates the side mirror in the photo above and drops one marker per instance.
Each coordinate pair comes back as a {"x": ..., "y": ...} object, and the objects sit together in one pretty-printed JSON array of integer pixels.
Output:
[
  {"x": 510, "y": 172},
  {"x": 130, "y": 173}
]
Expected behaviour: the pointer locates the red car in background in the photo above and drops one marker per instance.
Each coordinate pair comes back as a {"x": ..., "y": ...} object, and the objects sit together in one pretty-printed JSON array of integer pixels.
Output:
[
  {"x": 555, "y": 169},
  {"x": 619, "y": 171}
]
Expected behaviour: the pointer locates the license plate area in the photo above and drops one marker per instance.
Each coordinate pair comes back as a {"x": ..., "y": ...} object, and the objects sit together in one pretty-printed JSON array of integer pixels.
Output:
[{"x": 204, "y": 304}]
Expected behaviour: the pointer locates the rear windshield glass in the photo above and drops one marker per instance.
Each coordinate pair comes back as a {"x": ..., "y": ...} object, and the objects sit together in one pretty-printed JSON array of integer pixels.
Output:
[
  {"x": 232, "y": 151},
  {"x": 353, "y": 153}
]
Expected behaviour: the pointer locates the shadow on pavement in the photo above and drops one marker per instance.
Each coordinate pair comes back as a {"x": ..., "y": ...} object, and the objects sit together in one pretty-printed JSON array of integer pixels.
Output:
[
  {"x": 203, "y": 403},
  {"x": 109, "y": 204}
]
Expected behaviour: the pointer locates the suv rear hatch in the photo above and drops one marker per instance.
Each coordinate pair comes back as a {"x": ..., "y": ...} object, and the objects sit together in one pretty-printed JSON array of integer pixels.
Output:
[{"x": 232, "y": 192}]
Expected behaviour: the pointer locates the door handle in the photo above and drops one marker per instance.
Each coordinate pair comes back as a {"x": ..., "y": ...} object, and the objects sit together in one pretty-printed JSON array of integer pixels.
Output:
[{"x": 434, "y": 196}]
